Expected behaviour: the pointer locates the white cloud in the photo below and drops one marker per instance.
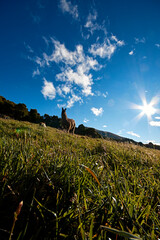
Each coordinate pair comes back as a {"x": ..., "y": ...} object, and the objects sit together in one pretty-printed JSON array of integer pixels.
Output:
[
  {"x": 105, "y": 94},
  {"x": 35, "y": 73},
  {"x": 119, "y": 42},
  {"x": 107, "y": 48},
  {"x": 66, "y": 89},
  {"x": 79, "y": 77},
  {"x": 63, "y": 90},
  {"x": 90, "y": 19},
  {"x": 72, "y": 100},
  {"x": 153, "y": 141},
  {"x": 131, "y": 52},
  {"x": 154, "y": 123},
  {"x": 133, "y": 134},
  {"x": 97, "y": 111},
  {"x": 39, "y": 61},
  {"x": 157, "y": 118},
  {"x": 99, "y": 94},
  {"x": 102, "y": 50},
  {"x": 91, "y": 25},
  {"x": 61, "y": 105},
  {"x": 62, "y": 54},
  {"x": 85, "y": 120},
  {"x": 48, "y": 90},
  {"x": 104, "y": 126},
  {"x": 157, "y": 45},
  {"x": 76, "y": 68},
  {"x": 140, "y": 40},
  {"x": 66, "y": 6}
]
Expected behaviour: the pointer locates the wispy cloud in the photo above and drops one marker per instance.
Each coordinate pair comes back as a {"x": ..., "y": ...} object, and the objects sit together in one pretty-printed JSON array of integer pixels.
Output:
[
  {"x": 111, "y": 102},
  {"x": 105, "y": 94},
  {"x": 104, "y": 50},
  {"x": 28, "y": 48},
  {"x": 154, "y": 123},
  {"x": 100, "y": 94},
  {"x": 72, "y": 100},
  {"x": 140, "y": 40},
  {"x": 121, "y": 131},
  {"x": 67, "y": 6},
  {"x": 92, "y": 25},
  {"x": 36, "y": 72},
  {"x": 97, "y": 111},
  {"x": 107, "y": 48},
  {"x": 133, "y": 134},
  {"x": 40, "y": 5},
  {"x": 157, "y": 45},
  {"x": 36, "y": 19},
  {"x": 39, "y": 61},
  {"x": 118, "y": 42},
  {"x": 104, "y": 126},
  {"x": 48, "y": 90},
  {"x": 85, "y": 120}
]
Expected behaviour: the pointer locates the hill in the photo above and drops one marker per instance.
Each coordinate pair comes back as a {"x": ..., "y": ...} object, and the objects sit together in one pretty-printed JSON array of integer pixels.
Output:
[
  {"x": 109, "y": 135},
  {"x": 75, "y": 187}
]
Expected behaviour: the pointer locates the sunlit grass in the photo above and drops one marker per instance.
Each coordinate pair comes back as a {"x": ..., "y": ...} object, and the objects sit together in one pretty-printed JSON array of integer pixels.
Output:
[{"x": 75, "y": 187}]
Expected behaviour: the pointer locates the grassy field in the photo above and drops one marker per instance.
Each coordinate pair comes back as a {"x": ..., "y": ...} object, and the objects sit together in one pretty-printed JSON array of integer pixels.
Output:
[{"x": 75, "y": 187}]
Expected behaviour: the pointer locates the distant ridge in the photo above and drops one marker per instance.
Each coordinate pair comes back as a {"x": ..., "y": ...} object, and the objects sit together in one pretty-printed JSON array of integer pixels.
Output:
[
  {"x": 109, "y": 135},
  {"x": 105, "y": 134}
]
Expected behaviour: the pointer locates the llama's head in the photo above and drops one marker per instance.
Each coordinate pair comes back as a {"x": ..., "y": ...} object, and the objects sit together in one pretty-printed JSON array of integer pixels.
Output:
[{"x": 64, "y": 112}]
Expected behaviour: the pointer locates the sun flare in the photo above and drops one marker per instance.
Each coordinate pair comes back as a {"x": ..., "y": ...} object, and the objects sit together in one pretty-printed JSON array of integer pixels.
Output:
[{"x": 147, "y": 109}]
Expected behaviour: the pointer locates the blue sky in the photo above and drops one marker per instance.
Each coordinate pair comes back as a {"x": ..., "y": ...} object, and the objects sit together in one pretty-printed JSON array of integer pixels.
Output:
[{"x": 100, "y": 59}]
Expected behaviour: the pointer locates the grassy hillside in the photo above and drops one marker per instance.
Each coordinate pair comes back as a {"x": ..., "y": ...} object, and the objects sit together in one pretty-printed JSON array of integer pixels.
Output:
[{"x": 75, "y": 187}]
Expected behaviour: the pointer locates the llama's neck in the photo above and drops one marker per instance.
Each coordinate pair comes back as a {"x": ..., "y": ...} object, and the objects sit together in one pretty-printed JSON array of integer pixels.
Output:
[{"x": 64, "y": 116}]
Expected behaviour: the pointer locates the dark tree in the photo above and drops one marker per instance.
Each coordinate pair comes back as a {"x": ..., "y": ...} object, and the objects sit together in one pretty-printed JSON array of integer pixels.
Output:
[
  {"x": 21, "y": 111},
  {"x": 34, "y": 116}
]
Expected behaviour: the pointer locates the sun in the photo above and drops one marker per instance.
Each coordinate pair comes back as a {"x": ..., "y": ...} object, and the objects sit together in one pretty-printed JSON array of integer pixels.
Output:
[{"x": 147, "y": 109}]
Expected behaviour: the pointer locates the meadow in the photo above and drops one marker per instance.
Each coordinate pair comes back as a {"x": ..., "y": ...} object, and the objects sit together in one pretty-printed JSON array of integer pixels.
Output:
[{"x": 55, "y": 185}]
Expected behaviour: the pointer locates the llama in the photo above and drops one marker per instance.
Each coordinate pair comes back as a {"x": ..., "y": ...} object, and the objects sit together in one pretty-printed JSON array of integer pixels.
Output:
[
  {"x": 67, "y": 123},
  {"x": 42, "y": 124}
]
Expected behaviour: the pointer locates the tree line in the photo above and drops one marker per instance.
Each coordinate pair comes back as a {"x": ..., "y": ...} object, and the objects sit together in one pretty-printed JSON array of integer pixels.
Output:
[{"x": 20, "y": 112}]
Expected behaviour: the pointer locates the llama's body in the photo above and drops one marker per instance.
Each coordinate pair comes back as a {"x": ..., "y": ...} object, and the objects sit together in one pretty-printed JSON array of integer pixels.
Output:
[
  {"x": 67, "y": 123},
  {"x": 42, "y": 124}
]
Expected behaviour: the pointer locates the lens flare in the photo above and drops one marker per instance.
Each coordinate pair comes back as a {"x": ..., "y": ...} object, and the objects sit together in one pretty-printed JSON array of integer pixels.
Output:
[{"x": 147, "y": 109}]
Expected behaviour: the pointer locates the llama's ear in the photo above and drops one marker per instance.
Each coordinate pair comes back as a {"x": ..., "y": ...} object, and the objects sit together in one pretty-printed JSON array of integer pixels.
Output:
[
  {"x": 62, "y": 108},
  {"x": 65, "y": 109}
]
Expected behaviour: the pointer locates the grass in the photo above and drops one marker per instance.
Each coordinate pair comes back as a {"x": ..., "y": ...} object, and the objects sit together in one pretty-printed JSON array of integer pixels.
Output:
[{"x": 75, "y": 187}]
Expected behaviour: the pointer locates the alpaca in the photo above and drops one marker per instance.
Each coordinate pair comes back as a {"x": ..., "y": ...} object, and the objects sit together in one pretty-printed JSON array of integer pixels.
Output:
[
  {"x": 42, "y": 124},
  {"x": 67, "y": 123}
]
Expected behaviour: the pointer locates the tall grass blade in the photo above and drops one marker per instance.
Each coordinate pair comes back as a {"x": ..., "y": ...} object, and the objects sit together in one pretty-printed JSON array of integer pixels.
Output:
[
  {"x": 120, "y": 233},
  {"x": 92, "y": 173}
]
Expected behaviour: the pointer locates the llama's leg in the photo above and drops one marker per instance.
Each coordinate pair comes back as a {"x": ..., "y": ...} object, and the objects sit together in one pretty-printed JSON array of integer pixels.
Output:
[{"x": 73, "y": 130}]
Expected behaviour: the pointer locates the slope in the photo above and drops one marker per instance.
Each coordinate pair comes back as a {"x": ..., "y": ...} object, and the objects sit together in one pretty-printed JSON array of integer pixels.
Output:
[{"x": 75, "y": 187}]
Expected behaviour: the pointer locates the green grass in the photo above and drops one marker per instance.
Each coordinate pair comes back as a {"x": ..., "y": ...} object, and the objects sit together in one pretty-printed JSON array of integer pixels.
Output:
[{"x": 75, "y": 187}]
